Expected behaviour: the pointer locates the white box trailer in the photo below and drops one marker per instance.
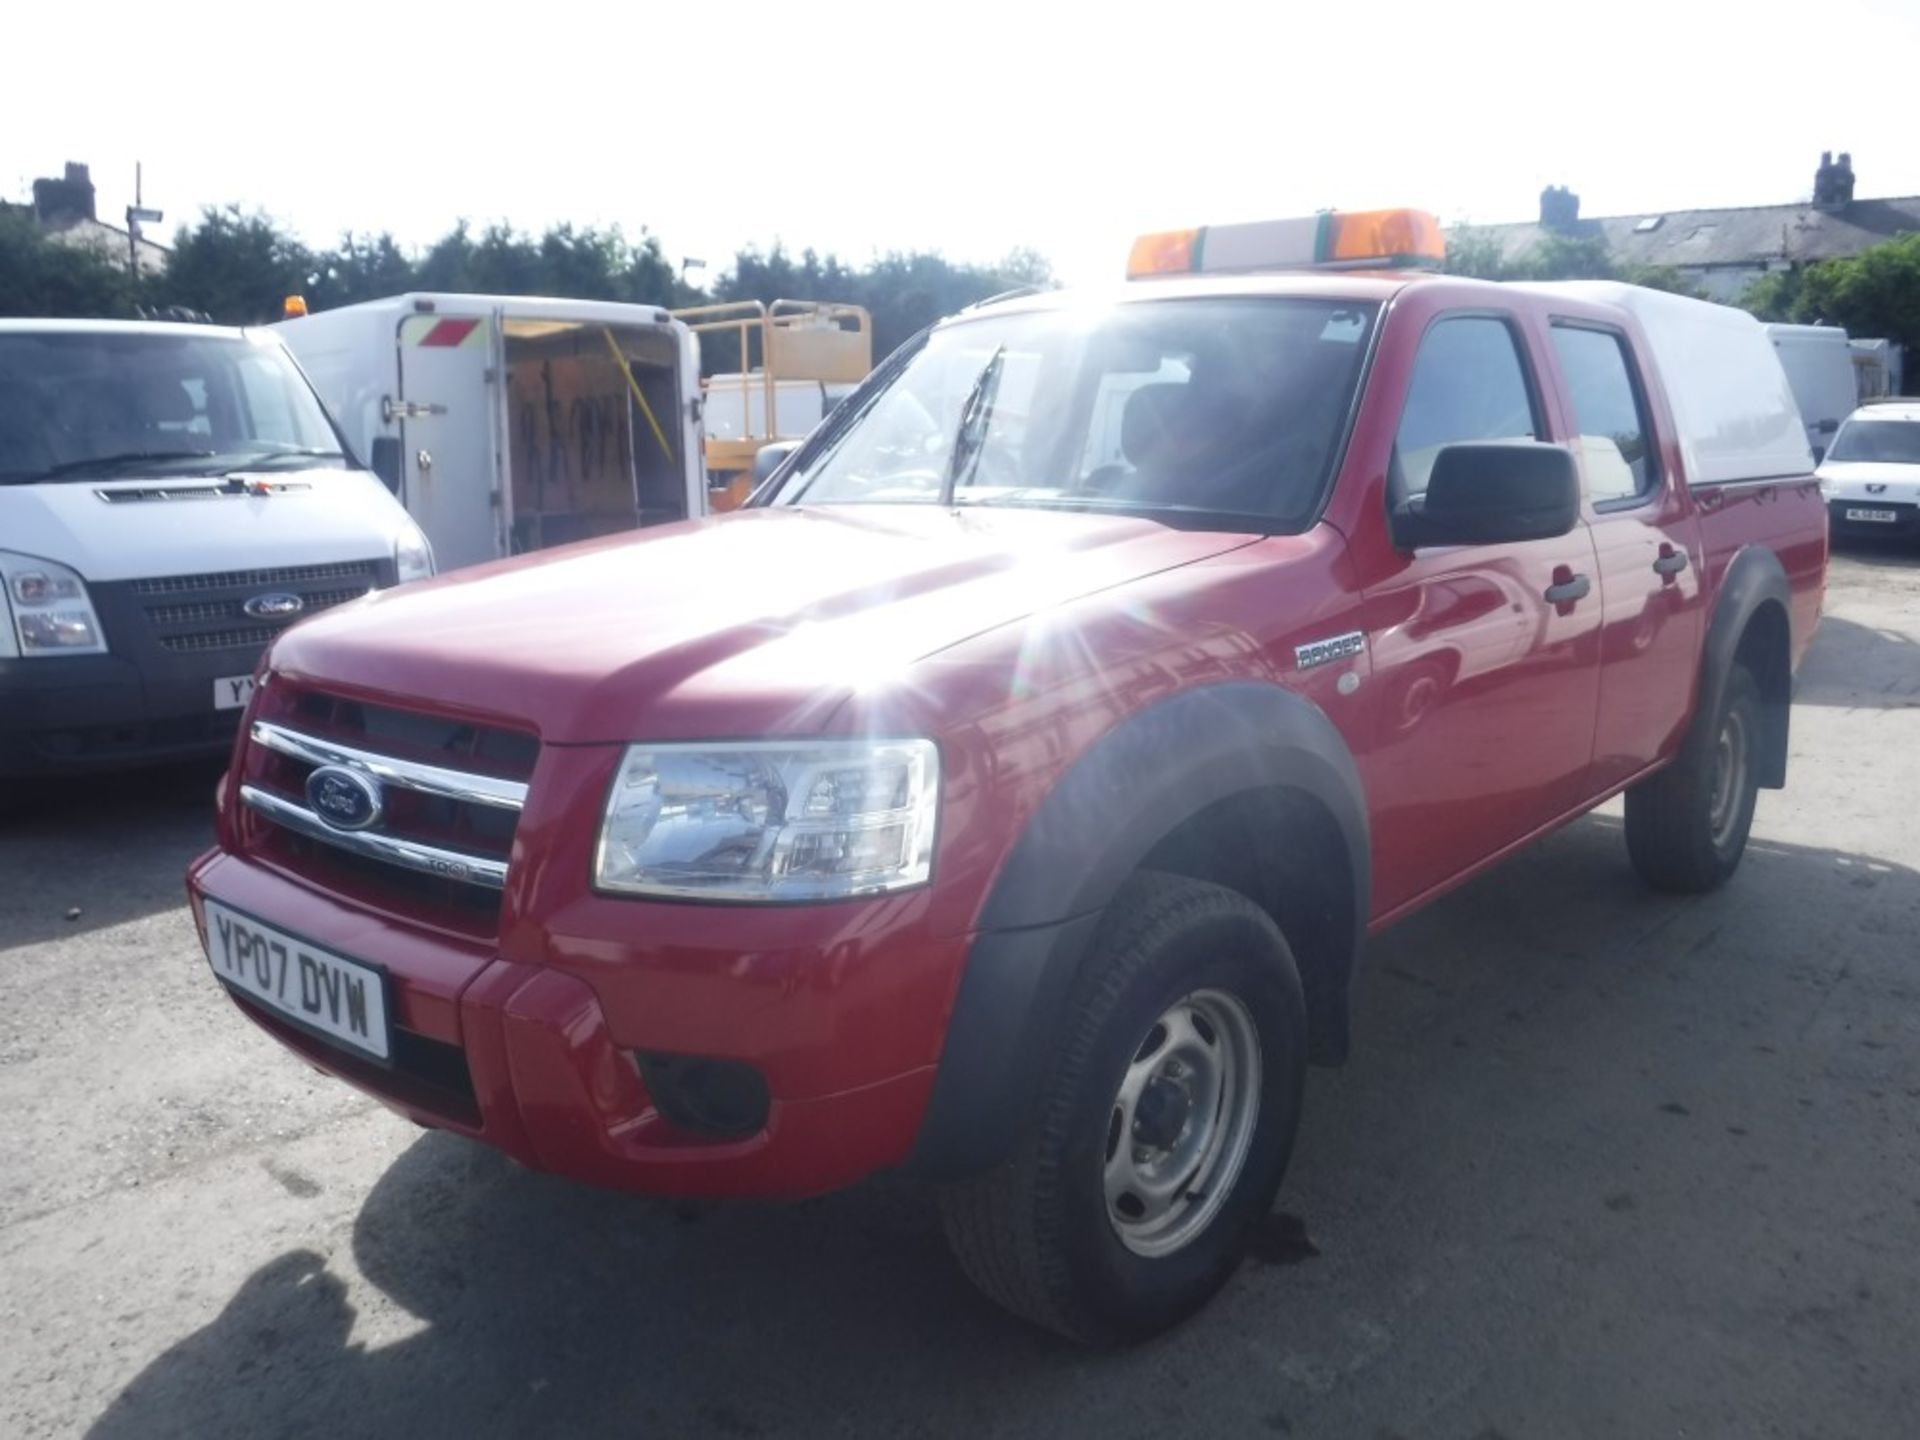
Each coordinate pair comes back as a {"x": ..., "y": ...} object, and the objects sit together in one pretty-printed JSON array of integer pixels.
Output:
[{"x": 513, "y": 423}]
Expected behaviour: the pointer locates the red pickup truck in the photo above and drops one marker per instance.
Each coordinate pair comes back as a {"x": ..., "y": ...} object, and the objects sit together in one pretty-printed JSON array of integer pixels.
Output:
[{"x": 1004, "y": 798}]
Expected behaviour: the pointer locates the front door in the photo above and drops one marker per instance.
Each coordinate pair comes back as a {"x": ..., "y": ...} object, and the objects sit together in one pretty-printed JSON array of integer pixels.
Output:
[
  {"x": 1649, "y": 571},
  {"x": 449, "y": 479},
  {"x": 1485, "y": 658}
]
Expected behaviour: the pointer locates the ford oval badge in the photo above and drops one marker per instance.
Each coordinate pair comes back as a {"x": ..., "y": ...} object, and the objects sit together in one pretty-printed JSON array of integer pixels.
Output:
[
  {"x": 274, "y": 607},
  {"x": 345, "y": 799}
]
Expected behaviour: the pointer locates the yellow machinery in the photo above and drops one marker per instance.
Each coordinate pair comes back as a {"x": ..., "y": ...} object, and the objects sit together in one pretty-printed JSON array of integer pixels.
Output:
[{"x": 796, "y": 357}]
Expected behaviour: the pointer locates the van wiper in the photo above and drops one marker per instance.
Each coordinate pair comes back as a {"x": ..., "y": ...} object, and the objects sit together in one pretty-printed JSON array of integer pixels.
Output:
[
  {"x": 116, "y": 461},
  {"x": 269, "y": 459},
  {"x": 975, "y": 416}
]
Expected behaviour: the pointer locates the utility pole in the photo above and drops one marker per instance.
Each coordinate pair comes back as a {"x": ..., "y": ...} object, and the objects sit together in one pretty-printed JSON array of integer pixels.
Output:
[{"x": 137, "y": 215}]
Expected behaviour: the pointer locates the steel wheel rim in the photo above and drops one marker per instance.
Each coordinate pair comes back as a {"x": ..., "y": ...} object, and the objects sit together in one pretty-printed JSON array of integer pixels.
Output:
[
  {"x": 1729, "y": 779},
  {"x": 1181, "y": 1122}
]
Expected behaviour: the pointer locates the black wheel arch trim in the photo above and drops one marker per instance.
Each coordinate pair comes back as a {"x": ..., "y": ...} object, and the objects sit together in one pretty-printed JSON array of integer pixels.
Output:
[
  {"x": 1157, "y": 769},
  {"x": 1754, "y": 579}
]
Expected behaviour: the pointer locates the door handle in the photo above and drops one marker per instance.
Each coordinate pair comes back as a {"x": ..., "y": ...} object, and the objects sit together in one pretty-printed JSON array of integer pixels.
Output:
[
  {"x": 1671, "y": 561},
  {"x": 1566, "y": 591}
]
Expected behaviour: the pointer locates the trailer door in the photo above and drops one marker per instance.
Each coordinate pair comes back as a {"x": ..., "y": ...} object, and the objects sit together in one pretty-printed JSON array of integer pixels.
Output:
[{"x": 450, "y": 475}]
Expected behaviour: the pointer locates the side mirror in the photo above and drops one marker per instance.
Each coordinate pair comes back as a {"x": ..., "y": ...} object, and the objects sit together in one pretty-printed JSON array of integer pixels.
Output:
[
  {"x": 768, "y": 458},
  {"x": 385, "y": 461},
  {"x": 1828, "y": 426},
  {"x": 1492, "y": 493}
]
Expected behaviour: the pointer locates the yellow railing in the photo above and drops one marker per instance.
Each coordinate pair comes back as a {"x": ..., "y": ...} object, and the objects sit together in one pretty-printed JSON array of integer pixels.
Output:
[{"x": 821, "y": 340}]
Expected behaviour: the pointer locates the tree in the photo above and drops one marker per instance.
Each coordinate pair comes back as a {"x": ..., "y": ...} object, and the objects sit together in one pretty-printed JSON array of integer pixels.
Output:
[
  {"x": 237, "y": 267},
  {"x": 1875, "y": 294},
  {"x": 41, "y": 277},
  {"x": 1555, "y": 256}
]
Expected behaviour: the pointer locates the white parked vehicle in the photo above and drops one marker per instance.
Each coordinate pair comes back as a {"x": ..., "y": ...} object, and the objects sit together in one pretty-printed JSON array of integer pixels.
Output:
[
  {"x": 1871, "y": 475},
  {"x": 508, "y": 424},
  {"x": 1818, "y": 360},
  {"x": 171, "y": 498}
]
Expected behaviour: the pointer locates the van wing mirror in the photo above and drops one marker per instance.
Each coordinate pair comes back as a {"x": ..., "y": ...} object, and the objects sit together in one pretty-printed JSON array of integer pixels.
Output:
[
  {"x": 1828, "y": 426},
  {"x": 768, "y": 458},
  {"x": 385, "y": 461},
  {"x": 1492, "y": 493}
]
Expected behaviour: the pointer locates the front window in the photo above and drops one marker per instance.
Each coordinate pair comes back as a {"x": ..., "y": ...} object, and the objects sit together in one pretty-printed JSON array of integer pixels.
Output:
[
  {"x": 1885, "y": 442},
  {"x": 1204, "y": 407},
  {"x": 88, "y": 404}
]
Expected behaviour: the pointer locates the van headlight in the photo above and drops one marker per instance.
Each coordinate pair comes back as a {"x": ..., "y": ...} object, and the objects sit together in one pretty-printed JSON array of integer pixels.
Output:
[
  {"x": 770, "y": 820},
  {"x": 412, "y": 555},
  {"x": 49, "y": 608}
]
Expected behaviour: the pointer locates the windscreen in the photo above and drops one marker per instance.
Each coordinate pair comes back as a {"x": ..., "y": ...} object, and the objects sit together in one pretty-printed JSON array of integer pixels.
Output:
[
  {"x": 1209, "y": 407},
  {"x": 87, "y": 404},
  {"x": 1888, "y": 442}
]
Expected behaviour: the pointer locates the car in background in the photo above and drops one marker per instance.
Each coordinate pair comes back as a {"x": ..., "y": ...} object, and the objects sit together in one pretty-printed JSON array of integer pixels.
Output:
[{"x": 1870, "y": 478}]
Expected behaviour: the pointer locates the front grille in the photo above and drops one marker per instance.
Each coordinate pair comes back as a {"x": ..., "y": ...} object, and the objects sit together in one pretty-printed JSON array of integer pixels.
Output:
[
  {"x": 199, "y": 614},
  {"x": 449, "y": 792},
  {"x": 364, "y": 570},
  {"x": 204, "y": 611}
]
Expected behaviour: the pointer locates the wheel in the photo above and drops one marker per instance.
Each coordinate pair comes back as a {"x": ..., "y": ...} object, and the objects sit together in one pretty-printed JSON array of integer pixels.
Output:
[
  {"x": 1163, "y": 1128},
  {"x": 1687, "y": 826}
]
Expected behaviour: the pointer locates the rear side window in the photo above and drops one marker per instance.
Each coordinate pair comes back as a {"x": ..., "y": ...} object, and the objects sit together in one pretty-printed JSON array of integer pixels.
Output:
[
  {"x": 1469, "y": 383},
  {"x": 1615, "y": 445}
]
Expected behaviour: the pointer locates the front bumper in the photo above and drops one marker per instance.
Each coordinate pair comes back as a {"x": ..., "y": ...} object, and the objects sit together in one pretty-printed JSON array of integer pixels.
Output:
[
  {"x": 67, "y": 714},
  {"x": 528, "y": 1043}
]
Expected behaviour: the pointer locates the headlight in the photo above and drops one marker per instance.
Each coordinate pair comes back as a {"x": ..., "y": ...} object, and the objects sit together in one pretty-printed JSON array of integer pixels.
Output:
[
  {"x": 412, "y": 555},
  {"x": 49, "y": 609},
  {"x": 770, "y": 820}
]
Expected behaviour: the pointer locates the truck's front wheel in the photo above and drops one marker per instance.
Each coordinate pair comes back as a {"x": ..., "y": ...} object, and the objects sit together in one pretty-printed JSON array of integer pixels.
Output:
[
  {"x": 1687, "y": 826},
  {"x": 1164, "y": 1129}
]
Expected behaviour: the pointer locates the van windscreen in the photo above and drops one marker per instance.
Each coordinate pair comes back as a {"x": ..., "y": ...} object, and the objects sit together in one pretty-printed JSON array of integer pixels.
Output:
[
  {"x": 88, "y": 404},
  {"x": 1887, "y": 442}
]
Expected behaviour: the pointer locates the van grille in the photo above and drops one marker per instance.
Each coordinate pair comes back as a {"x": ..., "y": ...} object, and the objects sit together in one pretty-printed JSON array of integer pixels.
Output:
[
  {"x": 200, "y": 613},
  {"x": 366, "y": 571}
]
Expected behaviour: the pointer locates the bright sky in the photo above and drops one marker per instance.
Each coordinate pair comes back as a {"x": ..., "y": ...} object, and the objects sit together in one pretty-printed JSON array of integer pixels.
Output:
[{"x": 970, "y": 127}]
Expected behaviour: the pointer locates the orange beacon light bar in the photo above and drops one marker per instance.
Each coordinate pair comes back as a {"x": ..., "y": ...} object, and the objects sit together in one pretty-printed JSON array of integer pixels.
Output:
[{"x": 1331, "y": 240}]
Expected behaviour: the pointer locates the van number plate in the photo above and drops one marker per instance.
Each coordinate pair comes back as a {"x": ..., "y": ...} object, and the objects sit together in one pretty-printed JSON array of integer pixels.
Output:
[
  {"x": 1878, "y": 517},
  {"x": 232, "y": 694}
]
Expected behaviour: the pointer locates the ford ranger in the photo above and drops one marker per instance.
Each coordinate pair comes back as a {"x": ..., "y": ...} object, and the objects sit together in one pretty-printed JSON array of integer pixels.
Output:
[{"x": 1005, "y": 796}]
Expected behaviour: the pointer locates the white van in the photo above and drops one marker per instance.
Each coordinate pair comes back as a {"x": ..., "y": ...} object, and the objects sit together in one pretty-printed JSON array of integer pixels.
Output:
[
  {"x": 171, "y": 498},
  {"x": 1871, "y": 476},
  {"x": 512, "y": 423},
  {"x": 1819, "y": 363}
]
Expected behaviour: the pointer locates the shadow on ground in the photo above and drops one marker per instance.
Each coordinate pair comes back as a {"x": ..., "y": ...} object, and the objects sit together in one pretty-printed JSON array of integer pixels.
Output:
[
  {"x": 1855, "y": 666},
  {"x": 1508, "y": 1186},
  {"x": 138, "y": 828}
]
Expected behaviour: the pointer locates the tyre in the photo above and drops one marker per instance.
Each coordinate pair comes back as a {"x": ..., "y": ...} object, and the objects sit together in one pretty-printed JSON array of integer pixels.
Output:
[
  {"x": 1163, "y": 1129},
  {"x": 1687, "y": 826}
]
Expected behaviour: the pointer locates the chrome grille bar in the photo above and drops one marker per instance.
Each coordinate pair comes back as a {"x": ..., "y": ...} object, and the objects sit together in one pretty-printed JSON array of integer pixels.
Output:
[
  {"x": 410, "y": 854},
  {"x": 407, "y": 774}
]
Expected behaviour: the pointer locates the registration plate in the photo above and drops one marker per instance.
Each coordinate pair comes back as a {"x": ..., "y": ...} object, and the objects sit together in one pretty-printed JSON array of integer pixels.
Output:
[
  {"x": 1877, "y": 517},
  {"x": 232, "y": 694},
  {"x": 338, "y": 999}
]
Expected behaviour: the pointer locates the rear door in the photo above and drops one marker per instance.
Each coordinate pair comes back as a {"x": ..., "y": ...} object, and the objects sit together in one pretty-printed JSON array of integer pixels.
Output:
[
  {"x": 1646, "y": 544},
  {"x": 449, "y": 470}
]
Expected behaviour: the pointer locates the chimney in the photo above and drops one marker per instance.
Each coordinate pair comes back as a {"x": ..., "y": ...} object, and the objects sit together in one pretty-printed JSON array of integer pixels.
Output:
[
  {"x": 1559, "y": 208},
  {"x": 1833, "y": 183},
  {"x": 62, "y": 202}
]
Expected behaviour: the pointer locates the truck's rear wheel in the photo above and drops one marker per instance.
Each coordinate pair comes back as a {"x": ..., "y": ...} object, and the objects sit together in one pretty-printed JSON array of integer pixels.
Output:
[
  {"x": 1165, "y": 1126},
  {"x": 1687, "y": 826}
]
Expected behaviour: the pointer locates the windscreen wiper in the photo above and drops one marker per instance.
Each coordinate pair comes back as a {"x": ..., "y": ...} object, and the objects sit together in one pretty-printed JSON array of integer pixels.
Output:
[
  {"x": 265, "y": 459},
  {"x": 975, "y": 416},
  {"x": 115, "y": 461}
]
